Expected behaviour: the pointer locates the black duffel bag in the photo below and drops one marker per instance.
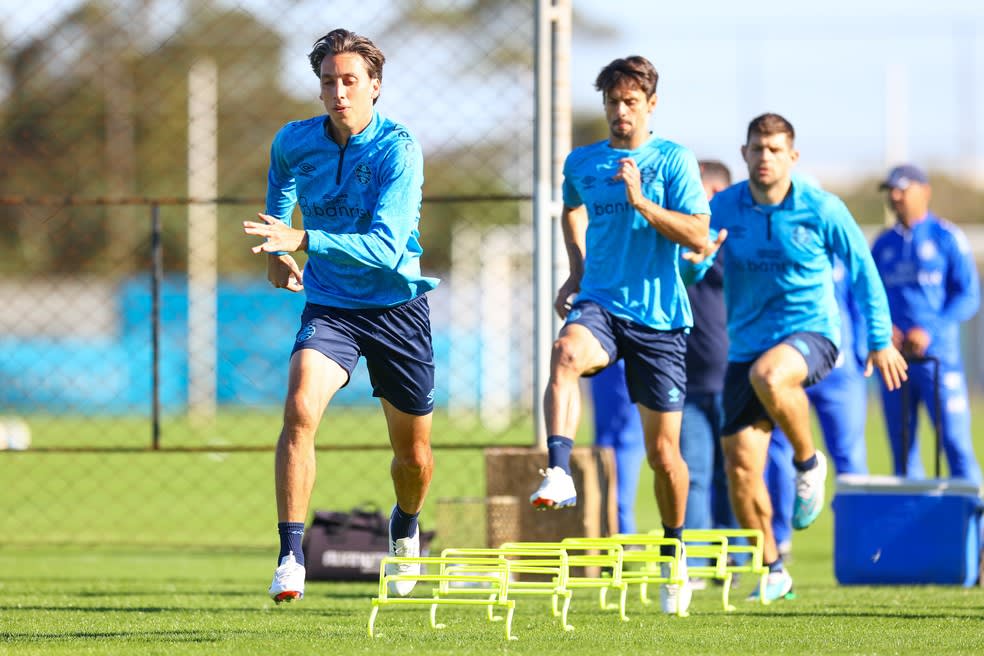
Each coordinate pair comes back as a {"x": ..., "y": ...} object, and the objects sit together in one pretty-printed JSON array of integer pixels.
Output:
[{"x": 348, "y": 546}]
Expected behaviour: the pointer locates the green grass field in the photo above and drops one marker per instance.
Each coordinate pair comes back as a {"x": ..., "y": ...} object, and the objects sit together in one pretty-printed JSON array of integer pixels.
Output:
[{"x": 171, "y": 553}]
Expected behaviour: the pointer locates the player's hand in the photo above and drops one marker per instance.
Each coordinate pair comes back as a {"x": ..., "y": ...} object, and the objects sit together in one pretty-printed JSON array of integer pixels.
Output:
[
  {"x": 710, "y": 249},
  {"x": 628, "y": 172},
  {"x": 279, "y": 236},
  {"x": 283, "y": 273},
  {"x": 565, "y": 295},
  {"x": 916, "y": 342},
  {"x": 890, "y": 364}
]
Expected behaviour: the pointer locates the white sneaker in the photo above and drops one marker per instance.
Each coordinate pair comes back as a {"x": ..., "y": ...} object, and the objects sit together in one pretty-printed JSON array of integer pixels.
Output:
[
  {"x": 674, "y": 598},
  {"x": 556, "y": 490},
  {"x": 408, "y": 548},
  {"x": 288, "y": 580},
  {"x": 809, "y": 493}
]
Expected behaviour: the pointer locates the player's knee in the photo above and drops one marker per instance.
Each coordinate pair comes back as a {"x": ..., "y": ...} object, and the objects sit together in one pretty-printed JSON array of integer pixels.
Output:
[
  {"x": 416, "y": 461},
  {"x": 300, "y": 418},
  {"x": 565, "y": 358},
  {"x": 664, "y": 456}
]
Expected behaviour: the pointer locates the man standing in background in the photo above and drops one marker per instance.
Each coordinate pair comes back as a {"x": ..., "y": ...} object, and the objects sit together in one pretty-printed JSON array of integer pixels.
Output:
[{"x": 932, "y": 285}]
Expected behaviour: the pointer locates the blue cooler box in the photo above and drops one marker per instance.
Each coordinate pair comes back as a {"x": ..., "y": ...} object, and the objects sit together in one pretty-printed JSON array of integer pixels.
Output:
[{"x": 889, "y": 529}]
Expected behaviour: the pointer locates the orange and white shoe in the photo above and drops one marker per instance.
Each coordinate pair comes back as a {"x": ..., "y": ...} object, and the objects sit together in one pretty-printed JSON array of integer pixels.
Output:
[
  {"x": 556, "y": 490},
  {"x": 288, "y": 580}
]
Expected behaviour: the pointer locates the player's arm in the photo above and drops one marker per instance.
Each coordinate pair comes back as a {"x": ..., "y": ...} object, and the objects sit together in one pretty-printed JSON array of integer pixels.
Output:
[
  {"x": 689, "y": 230},
  {"x": 962, "y": 284},
  {"x": 274, "y": 225},
  {"x": 574, "y": 226},
  {"x": 847, "y": 242}
]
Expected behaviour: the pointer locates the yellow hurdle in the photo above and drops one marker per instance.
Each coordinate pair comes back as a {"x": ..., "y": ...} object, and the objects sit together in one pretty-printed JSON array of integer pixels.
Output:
[
  {"x": 548, "y": 565},
  {"x": 589, "y": 552},
  {"x": 491, "y": 571}
]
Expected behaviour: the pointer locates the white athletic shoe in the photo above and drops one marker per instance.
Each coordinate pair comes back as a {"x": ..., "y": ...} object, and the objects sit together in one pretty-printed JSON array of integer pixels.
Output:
[
  {"x": 809, "y": 493},
  {"x": 674, "y": 598},
  {"x": 556, "y": 490},
  {"x": 288, "y": 580},
  {"x": 405, "y": 547}
]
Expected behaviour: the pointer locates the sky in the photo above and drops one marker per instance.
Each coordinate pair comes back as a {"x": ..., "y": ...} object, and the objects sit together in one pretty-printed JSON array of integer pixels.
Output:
[{"x": 866, "y": 83}]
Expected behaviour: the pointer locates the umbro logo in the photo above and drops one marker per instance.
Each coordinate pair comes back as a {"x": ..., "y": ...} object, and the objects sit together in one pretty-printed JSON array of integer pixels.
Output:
[{"x": 306, "y": 169}]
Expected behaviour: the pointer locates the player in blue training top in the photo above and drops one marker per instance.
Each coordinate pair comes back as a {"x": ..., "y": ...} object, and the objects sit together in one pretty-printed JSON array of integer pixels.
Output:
[
  {"x": 630, "y": 202},
  {"x": 932, "y": 284},
  {"x": 783, "y": 326},
  {"x": 357, "y": 178}
]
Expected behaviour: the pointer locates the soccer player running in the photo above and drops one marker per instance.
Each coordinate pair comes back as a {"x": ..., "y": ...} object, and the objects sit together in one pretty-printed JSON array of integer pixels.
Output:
[
  {"x": 932, "y": 286},
  {"x": 783, "y": 325},
  {"x": 357, "y": 177},
  {"x": 630, "y": 202}
]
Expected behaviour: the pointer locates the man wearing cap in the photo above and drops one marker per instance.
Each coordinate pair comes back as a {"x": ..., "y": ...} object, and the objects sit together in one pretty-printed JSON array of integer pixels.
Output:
[{"x": 932, "y": 285}]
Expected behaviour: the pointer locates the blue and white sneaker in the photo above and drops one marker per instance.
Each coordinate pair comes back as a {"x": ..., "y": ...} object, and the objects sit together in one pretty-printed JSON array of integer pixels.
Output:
[
  {"x": 404, "y": 547},
  {"x": 778, "y": 585},
  {"x": 556, "y": 490},
  {"x": 809, "y": 493},
  {"x": 288, "y": 580}
]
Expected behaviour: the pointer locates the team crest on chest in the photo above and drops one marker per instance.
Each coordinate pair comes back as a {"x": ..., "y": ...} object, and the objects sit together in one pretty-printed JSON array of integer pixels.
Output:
[{"x": 363, "y": 173}]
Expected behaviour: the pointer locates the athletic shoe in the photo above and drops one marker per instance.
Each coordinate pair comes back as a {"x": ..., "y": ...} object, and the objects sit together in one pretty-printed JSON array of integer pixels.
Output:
[
  {"x": 556, "y": 490},
  {"x": 407, "y": 548},
  {"x": 698, "y": 583},
  {"x": 674, "y": 598},
  {"x": 288, "y": 580},
  {"x": 809, "y": 493},
  {"x": 777, "y": 586}
]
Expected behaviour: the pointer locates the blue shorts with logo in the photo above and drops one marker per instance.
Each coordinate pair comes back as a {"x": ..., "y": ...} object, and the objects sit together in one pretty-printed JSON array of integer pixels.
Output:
[
  {"x": 742, "y": 406},
  {"x": 395, "y": 341},
  {"x": 655, "y": 371}
]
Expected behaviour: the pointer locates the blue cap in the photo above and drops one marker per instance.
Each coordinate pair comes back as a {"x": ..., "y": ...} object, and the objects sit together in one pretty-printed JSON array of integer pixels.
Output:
[{"x": 902, "y": 176}]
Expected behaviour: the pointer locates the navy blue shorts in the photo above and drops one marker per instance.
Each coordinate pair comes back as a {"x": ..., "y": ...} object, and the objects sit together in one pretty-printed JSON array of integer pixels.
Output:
[
  {"x": 395, "y": 341},
  {"x": 742, "y": 406},
  {"x": 655, "y": 368}
]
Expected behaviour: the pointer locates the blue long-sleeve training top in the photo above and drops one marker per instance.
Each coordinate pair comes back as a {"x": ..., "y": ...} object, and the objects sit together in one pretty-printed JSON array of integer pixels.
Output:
[
  {"x": 361, "y": 209},
  {"x": 778, "y": 269},
  {"x": 931, "y": 280}
]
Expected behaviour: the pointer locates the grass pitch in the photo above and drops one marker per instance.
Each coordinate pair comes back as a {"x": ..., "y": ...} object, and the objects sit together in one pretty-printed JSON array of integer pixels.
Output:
[{"x": 139, "y": 597}]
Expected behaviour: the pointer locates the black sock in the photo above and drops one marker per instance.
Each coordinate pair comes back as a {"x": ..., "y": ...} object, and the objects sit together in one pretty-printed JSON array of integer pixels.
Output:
[
  {"x": 774, "y": 566},
  {"x": 677, "y": 533},
  {"x": 291, "y": 534},
  {"x": 559, "y": 452},
  {"x": 402, "y": 525},
  {"x": 807, "y": 464}
]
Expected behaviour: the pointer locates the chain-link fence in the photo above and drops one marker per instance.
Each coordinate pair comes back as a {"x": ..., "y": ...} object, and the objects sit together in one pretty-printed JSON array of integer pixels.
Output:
[{"x": 143, "y": 356}]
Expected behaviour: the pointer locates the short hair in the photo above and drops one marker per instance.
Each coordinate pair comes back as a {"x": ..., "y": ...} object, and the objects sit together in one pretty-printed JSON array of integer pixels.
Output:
[
  {"x": 342, "y": 41},
  {"x": 635, "y": 70},
  {"x": 769, "y": 124},
  {"x": 714, "y": 170}
]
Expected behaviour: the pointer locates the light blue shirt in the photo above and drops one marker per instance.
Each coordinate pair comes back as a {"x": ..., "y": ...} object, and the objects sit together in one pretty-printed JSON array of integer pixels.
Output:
[
  {"x": 778, "y": 269},
  {"x": 361, "y": 209},
  {"x": 630, "y": 269}
]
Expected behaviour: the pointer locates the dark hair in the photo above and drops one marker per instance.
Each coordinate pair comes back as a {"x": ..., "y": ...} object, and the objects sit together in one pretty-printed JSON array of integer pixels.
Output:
[
  {"x": 712, "y": 169},
  {"x": 635, "y": 70},
  {"x": 768, "y": 124},
  {"x": 342, "y": 41}
]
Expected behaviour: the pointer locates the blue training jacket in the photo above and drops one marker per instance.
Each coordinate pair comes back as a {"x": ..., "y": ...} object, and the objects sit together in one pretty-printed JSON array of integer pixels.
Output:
[
  {"x": 361, "y": 209},
  {"x": 931, "y": 280},
  {"x": 778, "y": 269}
]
